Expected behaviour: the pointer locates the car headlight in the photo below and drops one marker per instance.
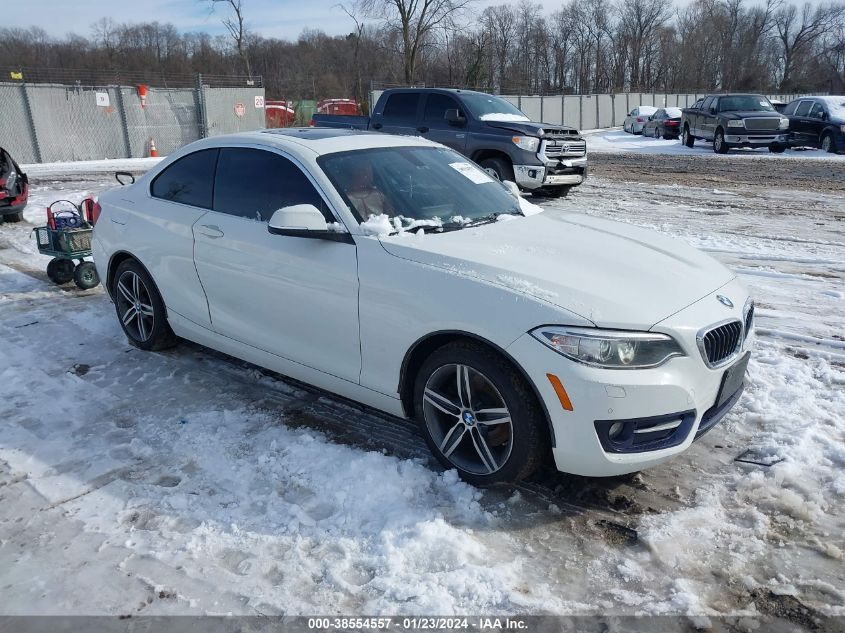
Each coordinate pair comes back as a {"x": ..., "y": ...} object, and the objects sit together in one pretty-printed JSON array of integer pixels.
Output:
[
  {"x": 528, "y": 143},
  {"x": 611, "y": 349},
  {"x": 784, "y": 124},
  {"x": 736, "y": 123}
]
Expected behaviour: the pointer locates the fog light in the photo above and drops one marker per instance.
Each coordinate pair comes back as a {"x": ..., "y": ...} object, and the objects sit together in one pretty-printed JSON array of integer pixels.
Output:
[
  {"x": 615, "y": 430},
  {"x": 532, "y": 173}
]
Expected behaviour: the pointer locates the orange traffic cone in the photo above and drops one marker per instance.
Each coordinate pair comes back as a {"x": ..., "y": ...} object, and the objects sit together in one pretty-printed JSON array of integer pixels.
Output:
[{"x": 153, "y": 150}]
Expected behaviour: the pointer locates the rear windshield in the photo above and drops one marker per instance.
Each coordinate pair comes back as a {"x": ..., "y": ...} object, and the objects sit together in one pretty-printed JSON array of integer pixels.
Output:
[{"x": 745, "y": 103}]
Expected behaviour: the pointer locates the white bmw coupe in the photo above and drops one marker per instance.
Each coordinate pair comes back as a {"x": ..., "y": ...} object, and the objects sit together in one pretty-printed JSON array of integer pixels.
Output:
[{"x": 395, "y": 272}]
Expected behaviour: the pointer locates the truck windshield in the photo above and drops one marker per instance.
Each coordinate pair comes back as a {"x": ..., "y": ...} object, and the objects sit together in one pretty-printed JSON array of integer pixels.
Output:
[
  {"x": 745, "y": 103},
  {"x": 416, "y": 187},
  {"x": 490, "y": 108}
]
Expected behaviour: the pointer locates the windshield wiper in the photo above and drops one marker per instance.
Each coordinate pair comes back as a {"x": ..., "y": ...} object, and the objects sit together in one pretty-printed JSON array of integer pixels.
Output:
[{"x": 493, "y": 217}]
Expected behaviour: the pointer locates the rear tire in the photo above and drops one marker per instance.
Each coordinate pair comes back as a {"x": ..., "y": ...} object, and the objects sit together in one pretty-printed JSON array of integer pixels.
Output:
[
  {"x": 13, "y": 217},
  {"x": 828, "y": 143},
  {"x": 140, "y": 308},
  {"x": 500, "y": 168},
  {"x": 687, "y": 138},
  {"x": 492, "y": 431},
  {"x": 60, "y": 271},
  {"x": 85, "y": 276}
]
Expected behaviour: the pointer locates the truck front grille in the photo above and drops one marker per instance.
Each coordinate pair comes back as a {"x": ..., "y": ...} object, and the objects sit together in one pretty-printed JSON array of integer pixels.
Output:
[
  {"x": 720, "y": 343},
  {"x": 761, "y": 123},
  {"x": 562, "y": 148}
]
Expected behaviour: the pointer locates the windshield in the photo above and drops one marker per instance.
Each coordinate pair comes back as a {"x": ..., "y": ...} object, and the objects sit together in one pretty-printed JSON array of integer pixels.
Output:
[
  {"x": 490, "y": 108},
  {"x": 416, "y": 187},
  {"x": 745, "y": 103}
]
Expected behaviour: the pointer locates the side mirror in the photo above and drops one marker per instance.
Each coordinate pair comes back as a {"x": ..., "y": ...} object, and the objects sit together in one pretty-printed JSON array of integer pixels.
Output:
[
  {"x": 823, "y": 115},
  {"x": 453, "y": 117},
  {"x": 712, "y": 110},
  {"x": 304, "y": 220}
]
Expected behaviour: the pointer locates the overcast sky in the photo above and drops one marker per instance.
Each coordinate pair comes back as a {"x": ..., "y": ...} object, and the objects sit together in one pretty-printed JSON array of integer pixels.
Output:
[{"x": 271, "y": 18}]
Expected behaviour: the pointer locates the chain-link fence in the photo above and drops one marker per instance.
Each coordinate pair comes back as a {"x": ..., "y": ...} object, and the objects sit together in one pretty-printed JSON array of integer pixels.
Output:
[
  {"x": 56, "y": 122},
  {"x": 596, "y": 111}
]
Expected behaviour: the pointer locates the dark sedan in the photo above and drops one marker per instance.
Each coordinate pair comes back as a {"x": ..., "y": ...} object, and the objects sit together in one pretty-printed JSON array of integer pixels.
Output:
[
  {"x": 666, "y": 122},
  {"x": 14, "y": 189},
  {"x": 817, "y": 122}
]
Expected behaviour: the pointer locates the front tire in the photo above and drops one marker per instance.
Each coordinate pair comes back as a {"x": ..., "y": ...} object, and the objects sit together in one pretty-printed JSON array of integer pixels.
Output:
[
  {"x": 478, "y": 415},
  {"x": 777, "y": 149},
  {"x": 140, "y": 308},
  {"x": 687, "y": 138},
  {"x": 85, "y": 276},
  {"x": 552, "y": 192},
  {"x": 500, "y": 168},
  {"x": 719, "y": 144}
]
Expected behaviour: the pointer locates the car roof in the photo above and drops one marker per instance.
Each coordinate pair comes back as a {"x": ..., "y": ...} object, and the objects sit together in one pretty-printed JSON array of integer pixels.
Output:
[{"x": 318, "y": 140}]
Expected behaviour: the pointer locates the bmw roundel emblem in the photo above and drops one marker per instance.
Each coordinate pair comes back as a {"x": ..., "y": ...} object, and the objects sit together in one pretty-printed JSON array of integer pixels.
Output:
[{"x": 725, "y": 301}]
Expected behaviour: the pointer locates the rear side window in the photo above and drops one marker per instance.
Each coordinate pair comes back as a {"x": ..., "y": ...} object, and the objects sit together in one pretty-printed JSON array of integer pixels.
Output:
[
  {"x": 253, "y": 183},
  {"x": 790, "y": 109},
  {"x": 402, "y": 105},
  {"x": 436, "y": 106},
  {"x": 708, "y": 102},
  {"x": 816, "y": 111},
  {"x": 189, "y": 180},
  {"x": 803, "y": 108}
]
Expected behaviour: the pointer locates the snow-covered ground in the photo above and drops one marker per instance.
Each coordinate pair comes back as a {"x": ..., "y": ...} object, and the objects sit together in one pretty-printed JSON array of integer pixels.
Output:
[
  {"x": 184, "y": 482},
  {"x": 615, "y": 141}
]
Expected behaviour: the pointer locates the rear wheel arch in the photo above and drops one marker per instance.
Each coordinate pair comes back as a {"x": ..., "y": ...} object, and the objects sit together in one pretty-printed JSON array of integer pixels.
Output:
[
  {"x": 114, "y": 263},
  {"x": 427, "y": 345}
]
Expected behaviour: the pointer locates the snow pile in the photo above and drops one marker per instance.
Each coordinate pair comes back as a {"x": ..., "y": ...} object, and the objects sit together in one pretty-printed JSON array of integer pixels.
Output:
[
  {"x": 379, "y": 225},
  {"x": 529, "y": 288},
  {"x": 503, "y": 116}
]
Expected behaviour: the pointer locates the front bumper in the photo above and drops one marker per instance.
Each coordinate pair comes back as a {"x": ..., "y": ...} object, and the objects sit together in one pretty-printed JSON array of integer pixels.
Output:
[
  {"x": 756, "y": 140},
  {"x": 683, "y": 388},
  {"x": 566, "y": 172}
]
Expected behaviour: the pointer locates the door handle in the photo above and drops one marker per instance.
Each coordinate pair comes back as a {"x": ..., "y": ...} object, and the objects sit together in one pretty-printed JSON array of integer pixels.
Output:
[
  {"x": 211, "y": 230},
  {"x": 422, "y": 129},
  {"x": 377, "y": 126}
]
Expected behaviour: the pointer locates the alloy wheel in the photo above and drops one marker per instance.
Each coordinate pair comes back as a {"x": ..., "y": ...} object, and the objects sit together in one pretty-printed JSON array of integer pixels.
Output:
[
  {"x": 135, "y": 306},
  {"x": 468, "y": 419}
]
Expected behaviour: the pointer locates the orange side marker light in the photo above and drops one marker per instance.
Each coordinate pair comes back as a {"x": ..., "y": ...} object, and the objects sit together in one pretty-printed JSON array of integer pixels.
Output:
[{"x": 565, "y": 402}]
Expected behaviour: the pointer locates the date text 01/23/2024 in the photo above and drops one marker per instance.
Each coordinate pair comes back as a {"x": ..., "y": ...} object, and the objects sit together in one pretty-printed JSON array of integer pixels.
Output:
[{"x": 416, "y": 624}]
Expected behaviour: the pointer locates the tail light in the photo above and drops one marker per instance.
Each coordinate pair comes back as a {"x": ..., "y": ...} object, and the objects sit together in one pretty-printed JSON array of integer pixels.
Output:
[
  {"x": 672, "y": 122},
  {"x": 640, "y": 119},
  {"x": 311, "y": 123},
  {"x": 91, "y": 210}
]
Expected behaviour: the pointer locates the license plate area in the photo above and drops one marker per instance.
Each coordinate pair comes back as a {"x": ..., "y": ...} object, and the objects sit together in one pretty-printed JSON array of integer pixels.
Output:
[{"x": 732, "y": 379}]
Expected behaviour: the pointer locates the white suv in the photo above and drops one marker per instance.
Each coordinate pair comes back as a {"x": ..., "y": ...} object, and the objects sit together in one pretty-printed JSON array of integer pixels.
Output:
[{"x": 395, "y": 272}]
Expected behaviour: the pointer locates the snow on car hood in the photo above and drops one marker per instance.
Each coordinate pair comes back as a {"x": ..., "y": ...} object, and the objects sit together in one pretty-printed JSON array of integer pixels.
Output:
[{"x": 614, "y": 274}]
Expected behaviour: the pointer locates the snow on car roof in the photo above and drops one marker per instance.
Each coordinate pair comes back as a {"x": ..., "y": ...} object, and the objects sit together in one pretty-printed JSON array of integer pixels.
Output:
[
  {"x": 835, "y": 103},
  {"x": 328, "y": 140}
]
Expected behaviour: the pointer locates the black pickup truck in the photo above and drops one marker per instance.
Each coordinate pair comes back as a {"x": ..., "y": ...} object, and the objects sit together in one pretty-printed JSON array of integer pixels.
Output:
[
  {"x": 542, "y": 158},
  {"x": 735, "y": 120}
]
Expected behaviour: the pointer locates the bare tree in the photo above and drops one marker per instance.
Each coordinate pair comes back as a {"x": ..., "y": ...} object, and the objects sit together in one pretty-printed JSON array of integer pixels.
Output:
[
  {"x": 415, "y": 21},
  {"x": 798, "y": 32},
  {"x": 236, "y": 26}
]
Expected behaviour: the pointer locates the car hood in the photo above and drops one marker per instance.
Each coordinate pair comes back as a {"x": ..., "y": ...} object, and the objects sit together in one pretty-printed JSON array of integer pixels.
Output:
[
  {"x": 752, "y": 113},
  {"x": 531, "y": 128},
  {"x": 614, "y": 274}
]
